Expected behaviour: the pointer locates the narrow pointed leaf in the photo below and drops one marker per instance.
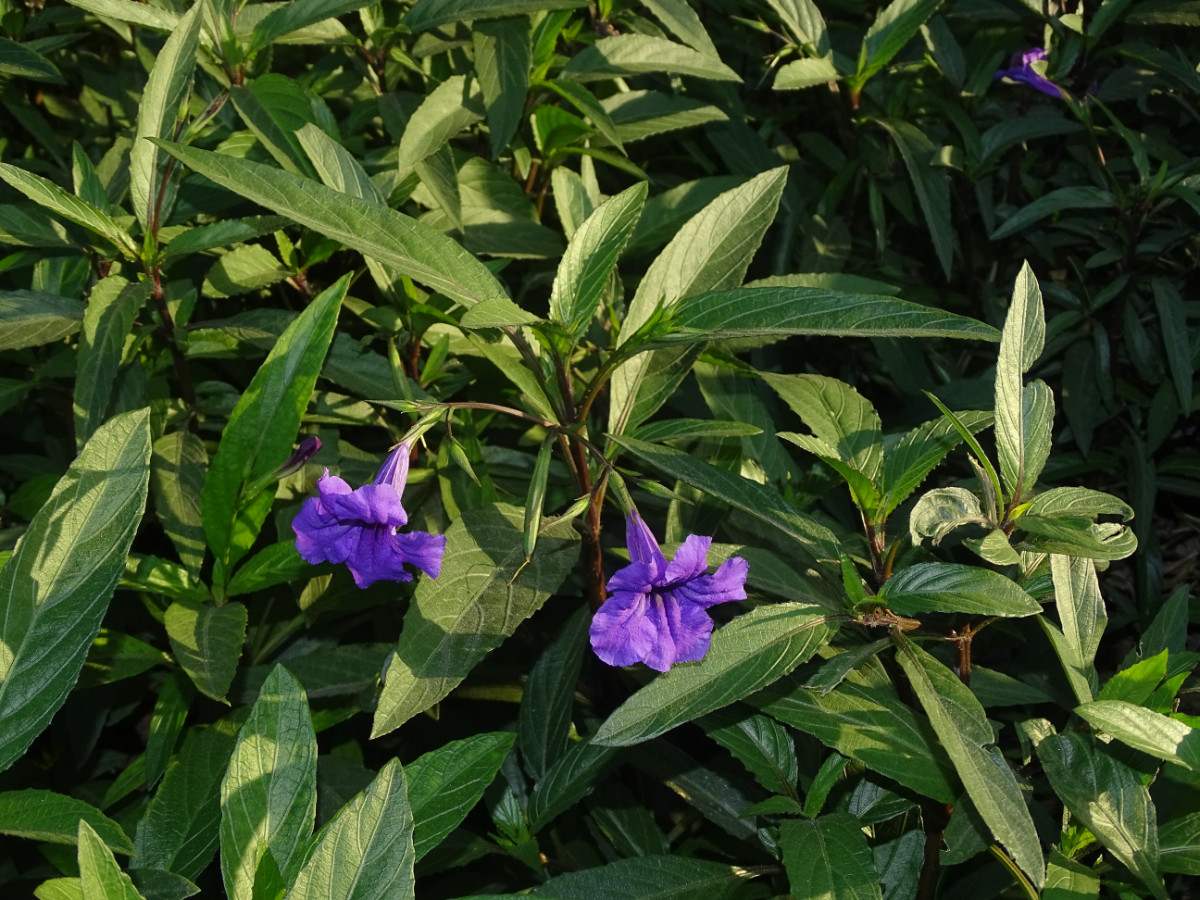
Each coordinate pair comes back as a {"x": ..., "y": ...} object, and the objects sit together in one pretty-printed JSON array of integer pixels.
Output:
[
  {"x": 954, "y": 588},
  {"x": 177, "y": 480},
  {"x": 829, "y": 857},
  {"x": 298, "y": 14},
  {"x": 99, "y": 875},
  {"x": 931, "y": 182},
  {"x": 503, "y": 55},
  {"x": 1020, "y": 346},
  {"x": 207, "y": 643},
  {"x": 33, "y": 318},
  {"x": 269, "y": 795},
  {"x": 111, "y": 309},
  {"x": 52, "y": 197},
  {"x": 427, "y": 14},
  {"x": 648, "y": 878},
  {"x": 56, "y": 585},
  {"x": 1145, "y": 730},
  {"x": 748, "y": 653},
  {"x": 906, "y": 465},
  {"x": 40, "y": 815},
  {"x": 1082, "y": 615},
  {"x": 635, "y": 54}
]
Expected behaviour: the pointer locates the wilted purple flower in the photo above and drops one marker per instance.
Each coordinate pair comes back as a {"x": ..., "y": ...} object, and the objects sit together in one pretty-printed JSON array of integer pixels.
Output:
[
  {"x": 307, "y": 450},
  {"x": 1025, "y": 73},
  {"x": 656, "y": 613},
  {"x": 360, "y": 527}
]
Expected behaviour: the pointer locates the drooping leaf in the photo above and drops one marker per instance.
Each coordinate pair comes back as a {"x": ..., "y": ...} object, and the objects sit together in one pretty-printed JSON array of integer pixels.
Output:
[
  {"x": 42, "y": 815},
  {"x": 32, "y": 318},
  {"x": 56, "y": 585},
  {"x": 477, "y": 601},
  {"x": 752, "y": 651},
  {"x": 269, "y": 794}
]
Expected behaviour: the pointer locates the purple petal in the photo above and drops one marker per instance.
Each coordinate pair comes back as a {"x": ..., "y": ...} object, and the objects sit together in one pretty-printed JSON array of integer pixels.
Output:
[
  {"x": 374, "y": 504},
  {"x": 683, "y": 632},
  {"x": 376, "y": 557},
  {"x": 320, "y": 537},
  {"x": 643, "y": 548},
  {"x": 691, "y": 559},
  {"x": 422, "y": 549},
  {"x": 620, "y": 632},
  {"x": 394, "y": 470},
  {"x": 1036, "y": 54},
  {"x": 635, "y": 577},
  {"x": 726, "y": 584}
]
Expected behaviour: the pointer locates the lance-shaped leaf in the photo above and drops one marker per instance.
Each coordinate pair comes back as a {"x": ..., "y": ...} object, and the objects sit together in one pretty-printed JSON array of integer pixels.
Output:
[
  {"x": 1145, "y": 730},
  {"x": 1075, "y": 537},
  {"x": 1056, "y": 201},
  {"x": 963, "y": 729},
  {"x": 297, "y": 14},
  {"x": 446, "y": 783},
  {"x": 648, "y": 878},
  {"x": 427, "y": 14},
  {"x": 55, "y": 587},
  {"x": 262, "y": 429},
  {"x": 1019, "y": 423},
  {"x": 712, "y": 251},
  {"x": 112, "y": 306},
  {"x": 635, "y": 54},
  {"x": 749, "y": 496},
  {"x": 591, "y": 257},
  {"x": 829, "y": 857},
  {"x": 864, "y": 718},
  {"x": 25, "y": 62},
  {"x": 954, "y": 588},
  {"x": 503, "y": 55},
  {"x": 1108, "y": 798},
  {"x": 894, "y": 27},
  {"x": 269, "y": 795},
  {"x": 40, "y": 815},
  {"x": 99, "y": 874},
  {"x": 544, "y": 719},
  {"x": 415, "y": 249},
  {"x": 167, "y": 89},
  {"x": 48, "y": 194},
  {"x": 784, "y": 311},
  {"x": 485, "y": 590},
  {"x": 838, "y": 415},
  {"x": 759, "y": 743},
  {"x": 367, "y": 850},
  {"x": 746, "y": 654},
  {"x": 907, "y": 463},
  {"x": 177, "y": 480},
  {"x": 1083, "y": 618},
  {"x": 207, "y": 643},
  {"x": 805, "y": 73},
  {"x": 32, "y": 318},
  {"x": 804, "y": 21},
  {"x": 930, "y": 182}
]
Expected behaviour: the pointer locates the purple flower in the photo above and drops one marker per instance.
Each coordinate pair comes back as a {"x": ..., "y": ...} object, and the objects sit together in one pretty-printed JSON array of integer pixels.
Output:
[
  {"x": 1025, "y": 73},
  {"x": 656, "y": 613},
  {"x": 360, "y": 527}
]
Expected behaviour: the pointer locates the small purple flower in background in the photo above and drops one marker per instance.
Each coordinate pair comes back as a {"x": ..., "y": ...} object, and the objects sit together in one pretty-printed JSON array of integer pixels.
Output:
[
  {"x": 656, "y": 613},
  {"x": 360, "y": 527},
  {"x": 307, "y": 450},
  {"x": 1025, "y": 73}
]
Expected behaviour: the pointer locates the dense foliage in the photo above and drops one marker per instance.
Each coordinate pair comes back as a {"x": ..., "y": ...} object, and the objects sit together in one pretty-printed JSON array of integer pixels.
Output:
[{"x": 374, "y": 376}]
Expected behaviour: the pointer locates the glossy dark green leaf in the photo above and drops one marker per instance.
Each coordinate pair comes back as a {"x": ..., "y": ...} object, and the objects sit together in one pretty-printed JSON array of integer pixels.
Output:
[
  {"x": 485, "y": 590},
  {"x": 207, "y": 643},
  {"x": 166, "y": 722},
  {"x": 1179, "y": 845},
  {"x": 759, "y": 743},
  {"x": 41, "y": 815},
  {"x": 954, "y": 588},
  {"x": 568, "y": 781},
  {"x": 22, "y": 61},
  {"x": 298, "y": 14},
  {"x": 544, "y": 718},
  {"x": 1173, "y": 322},
  {"x": 56, "y": 586},
  {"x": 1109, "y": 799},
  {"x": 829, "y": 857},
  {"x": 752, "y": 651},
  {"x": 428, "y": 14},
  {"x": 931, "y": 182},
  {"x": 1055, "y": 201},
  {"x": 647, "y": 878}
]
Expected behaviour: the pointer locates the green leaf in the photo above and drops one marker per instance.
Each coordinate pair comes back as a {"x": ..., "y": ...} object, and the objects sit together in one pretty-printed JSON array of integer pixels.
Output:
[
  {"x": 863, "y": 718},
  {"x": 177, "y": 480},
  {"x": 446, "y": 110},
  {"x": 33, "y": 318},
  {"x": 954, "y": 588},
  {"x": 829, "y": 857},
  {"x": 179, "y": 830},
  {"x": 166, "y": 722},
  {"x": 711, "y": 252},
  {"x": 759, "y": 743},
  {"x": 1179, "y": 845},
  {"x": 1108, "y": 798},
  {"x": 496, "y": 312},
  {"x": 269, "y": 794},
  {"x": 780, "y": 312},
  {"x": 207, "y": 643},
  {"x": 262, "y": 428},
  {"x": 931, "y": 182},
  {"x": 838, "y": 415},
  {"x": 426, "y": 255},
  {"x": 1055, "y": 201},
  {"x": 132, "y": 12},
  {"x": 55, "y": 587},
  {"x": 1076, "y": 537},
  {"x": 99, "y": 875},
  {"x": 1083, "y": 618},
  {"x": 1173, "y": 321},
  {"x": 427, "y": 14},
  {"x": 21, "y": 61},
  {"x": 568, "y": 781},
  {"x": 693, "y": 429},
  {"x": 273, "y": 108},
  {"x": 906, "y": 464},
  {"x": 1136, "y": 683},
  {"x": 752, "y": 651},
  {"x": 246, "y": 268},
  {"x": 1078, "y": 501},
  {"x": 70, "y": 207},
  {"x": 39, "y": 815},
  {"x": 963, "y": 730},
  {"x": 683, "y": 22},
  {"x": 636, "y": 115},
  {"x": 446, "y": 783},
  {"x": 367, "y": 850},
  {"x": 114, "y": 656},
  {"x": 894, "y": 27},
  {"x": 1020, "y": 346},
  {"x": 277, "y": 564},
  {"x": 503, "y": 55},
  {"x": 166, "y": 92},
  {"x": 591, "y": 257},
  {"x": 804, "y": 21},
  {"x": 111, "y": 309},
  {"x": 295, "y": 15},
  {"x": 485, "y": 590},
  {"x": 1145, "y": 730},
  {"x": 749, "y": 496},
  {"x": 634, "y": 54},
  {"x": 648, "y": 878},
  {"x": 804, "y": 73},
  {"x": 335, "y": 165},
  {"x": 544, "y": 719}
]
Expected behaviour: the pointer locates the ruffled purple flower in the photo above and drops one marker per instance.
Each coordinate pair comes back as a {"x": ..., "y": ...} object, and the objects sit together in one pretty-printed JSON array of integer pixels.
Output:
[
  {"x": 360, "y": 527},
  {"x": 1025, "y": 73},
  {"x": 656, "y": 614}
]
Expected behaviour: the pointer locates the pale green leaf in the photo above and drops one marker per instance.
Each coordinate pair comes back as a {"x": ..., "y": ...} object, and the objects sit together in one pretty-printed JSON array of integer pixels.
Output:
[
  {"x": 1145, "y": 730},
  {"x": 99, "y": 875},
  {"x": 427, "y": 14},
  {"x": 52, "y": 197},
  {"x": 804, "y": 73},
  {"x": 1020, "y": 346},
  {"x": 32, "y": 318},
  {"x": 633, "y": 54}
]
